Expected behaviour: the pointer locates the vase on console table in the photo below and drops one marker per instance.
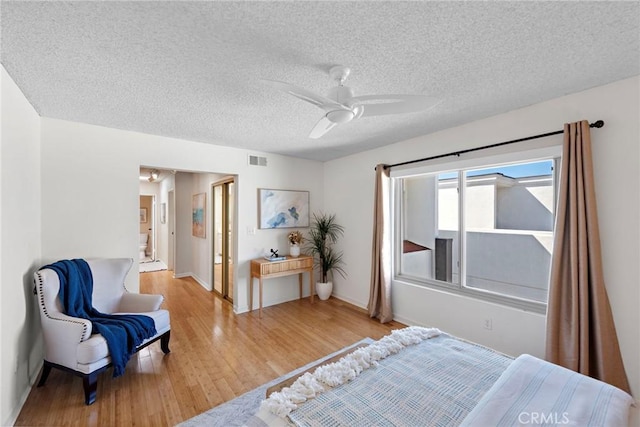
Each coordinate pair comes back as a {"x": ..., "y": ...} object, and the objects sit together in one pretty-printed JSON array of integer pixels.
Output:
[{"x": 294, "y": 250}]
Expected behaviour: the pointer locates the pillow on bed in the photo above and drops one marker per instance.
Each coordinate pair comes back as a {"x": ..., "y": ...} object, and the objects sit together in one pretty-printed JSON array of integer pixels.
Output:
[{"x": 534, "y": 391}]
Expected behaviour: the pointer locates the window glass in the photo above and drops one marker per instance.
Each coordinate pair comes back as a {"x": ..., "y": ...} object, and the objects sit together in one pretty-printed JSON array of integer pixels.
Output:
[
  {"x": 488, "y": 230},
  {"x": 430, "y": 227},
  {"x": 508, "y": 229}
]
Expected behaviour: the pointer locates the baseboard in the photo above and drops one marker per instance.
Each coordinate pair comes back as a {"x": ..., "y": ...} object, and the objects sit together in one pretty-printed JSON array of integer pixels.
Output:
[
  {"x": 409, "y": 322},
  {"x": 401, "y": 319},
  {"x": 265, "y": 304},
  {"x": 194, "y": 277},
  {"x": 201, "y": 282},
  {"x": 349, "y": 300},
  {"x": 182, "y": 275},
  {"x": 23, "y": 398}
]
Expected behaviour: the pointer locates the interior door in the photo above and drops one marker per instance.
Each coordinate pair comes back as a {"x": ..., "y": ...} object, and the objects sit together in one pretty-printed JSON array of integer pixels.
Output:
[
  {"x": 228, "y": 291},
  {"x": 223, "y": 213}
]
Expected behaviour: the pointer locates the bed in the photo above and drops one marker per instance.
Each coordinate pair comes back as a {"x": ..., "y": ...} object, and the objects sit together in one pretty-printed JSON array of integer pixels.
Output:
[{"x": 424, "y": 377}]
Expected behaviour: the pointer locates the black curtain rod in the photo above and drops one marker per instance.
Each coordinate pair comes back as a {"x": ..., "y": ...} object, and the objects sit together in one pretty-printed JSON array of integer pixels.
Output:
[{"x": 596, "y": 124}]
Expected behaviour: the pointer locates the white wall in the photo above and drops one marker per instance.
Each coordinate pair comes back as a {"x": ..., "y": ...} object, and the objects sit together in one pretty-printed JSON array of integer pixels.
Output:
[
  {"x": 184, "y": 255},
  {"x": 193, "y": 254},
  {"x": 481, "y": 206},
  {"x": 616, "y": 157},
  {"x": 166, "y": 185},
  {"x": 526, "y": 206},
  {"x": 202, "y": 249},
  {"x": 93, "y": 170},
  {"x": 20, "y": 250}
]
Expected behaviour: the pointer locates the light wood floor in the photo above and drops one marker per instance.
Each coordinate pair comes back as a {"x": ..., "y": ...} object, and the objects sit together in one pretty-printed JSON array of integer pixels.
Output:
[{"x": 215, "y": 356}]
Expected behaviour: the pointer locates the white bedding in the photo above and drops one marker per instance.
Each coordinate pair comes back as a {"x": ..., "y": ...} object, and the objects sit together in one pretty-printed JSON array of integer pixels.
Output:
[
  {"x": 346, "y": 369},
  {"x": 534, "y": 392},
  {"x": 438, "y": 380},
  {"x": 428, "y": 379}
]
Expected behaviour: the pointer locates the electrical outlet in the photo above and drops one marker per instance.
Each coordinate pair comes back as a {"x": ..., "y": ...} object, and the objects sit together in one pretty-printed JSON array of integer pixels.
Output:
[{"x": 488, "y": 324}]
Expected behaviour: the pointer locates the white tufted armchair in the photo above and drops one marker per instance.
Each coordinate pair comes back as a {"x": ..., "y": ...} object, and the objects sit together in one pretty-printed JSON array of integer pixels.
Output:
[{"x": 68, "y": 342}]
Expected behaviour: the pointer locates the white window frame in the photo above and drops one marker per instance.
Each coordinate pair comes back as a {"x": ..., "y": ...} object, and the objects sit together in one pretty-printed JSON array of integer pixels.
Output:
[{"x": 477, "y": 161}]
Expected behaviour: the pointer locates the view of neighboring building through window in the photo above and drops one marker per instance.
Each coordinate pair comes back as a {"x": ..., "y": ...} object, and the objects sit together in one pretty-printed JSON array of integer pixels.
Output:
[{"x": 502, "y": 246}]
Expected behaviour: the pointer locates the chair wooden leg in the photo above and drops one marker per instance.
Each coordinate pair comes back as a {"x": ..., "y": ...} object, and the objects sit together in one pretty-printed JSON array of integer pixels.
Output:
[
  {"x": 90, "y": 384},
  {"x": 164, "y": 342},
  {"x": 46, "y": 369}
]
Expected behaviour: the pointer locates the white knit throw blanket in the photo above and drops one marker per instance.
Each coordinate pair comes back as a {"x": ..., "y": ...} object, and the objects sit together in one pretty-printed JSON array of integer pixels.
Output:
[{"x": 309, "y": 385}]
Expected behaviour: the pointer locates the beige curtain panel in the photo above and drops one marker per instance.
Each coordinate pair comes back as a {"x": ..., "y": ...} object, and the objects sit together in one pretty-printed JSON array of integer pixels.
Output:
[
  {"x": 380, "y": 293},
  {"x": 581, "y": 334}
]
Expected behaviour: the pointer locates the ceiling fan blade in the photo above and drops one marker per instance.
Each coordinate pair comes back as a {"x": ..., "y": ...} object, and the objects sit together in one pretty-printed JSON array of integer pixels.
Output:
[
  {"x": 322, "y": 127},
  {"x": 396, "y": 104},
  {"x": 306, "y": 95}
]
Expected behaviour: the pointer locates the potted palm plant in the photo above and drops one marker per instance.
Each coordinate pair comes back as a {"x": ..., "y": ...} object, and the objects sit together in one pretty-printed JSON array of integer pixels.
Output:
[{"x": 323, "y": 234}]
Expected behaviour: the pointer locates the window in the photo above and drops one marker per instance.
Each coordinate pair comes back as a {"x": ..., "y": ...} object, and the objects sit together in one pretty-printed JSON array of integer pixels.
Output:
[{"x": 485, "y": 231}]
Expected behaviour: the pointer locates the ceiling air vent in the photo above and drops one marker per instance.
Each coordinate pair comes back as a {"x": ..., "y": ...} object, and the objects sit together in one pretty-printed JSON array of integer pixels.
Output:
[{"x": 257, "y": 160}]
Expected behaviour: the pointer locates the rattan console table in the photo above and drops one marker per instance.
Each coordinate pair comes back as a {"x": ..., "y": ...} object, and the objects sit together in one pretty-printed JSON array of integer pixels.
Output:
[{"x": 264, "y": 269}]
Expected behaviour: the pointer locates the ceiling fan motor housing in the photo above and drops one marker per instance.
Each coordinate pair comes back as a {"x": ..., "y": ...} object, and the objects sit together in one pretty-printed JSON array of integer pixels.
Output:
[{"x": 342, "y": 95}]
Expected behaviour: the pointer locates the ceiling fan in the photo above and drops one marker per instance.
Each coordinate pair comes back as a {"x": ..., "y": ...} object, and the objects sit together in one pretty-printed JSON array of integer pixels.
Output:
[{"x": 341, "y": 106}]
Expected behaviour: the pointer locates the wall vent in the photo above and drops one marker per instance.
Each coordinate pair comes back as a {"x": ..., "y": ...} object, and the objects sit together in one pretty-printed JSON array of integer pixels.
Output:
[{"x": 257, "y": 160}]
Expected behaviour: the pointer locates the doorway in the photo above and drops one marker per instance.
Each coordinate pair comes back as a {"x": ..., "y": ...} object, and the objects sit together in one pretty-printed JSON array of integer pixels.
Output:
[
  {"x": 223, "y": 213},
  {"x": 147, "y": 249}
]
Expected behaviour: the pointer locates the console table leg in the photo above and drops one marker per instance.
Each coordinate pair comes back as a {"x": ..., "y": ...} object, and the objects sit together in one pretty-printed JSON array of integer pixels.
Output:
[
  {"x": 251, "y": 294},
  {"x": 260, "y": 280},
  {"x": 300, "y": 284}
]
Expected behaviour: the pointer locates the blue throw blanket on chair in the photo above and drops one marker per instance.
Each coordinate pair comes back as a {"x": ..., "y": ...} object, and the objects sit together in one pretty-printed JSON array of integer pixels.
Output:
[{"x": 123, "y": 332}]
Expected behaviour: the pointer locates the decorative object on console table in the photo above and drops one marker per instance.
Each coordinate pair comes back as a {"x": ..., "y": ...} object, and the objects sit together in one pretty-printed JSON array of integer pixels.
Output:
[
  {"x": 294, "y": 250},
  {"x": 323, "y": 234},
  {"x": 295, "y": 239},
  {"x": 274, "y": 256}
]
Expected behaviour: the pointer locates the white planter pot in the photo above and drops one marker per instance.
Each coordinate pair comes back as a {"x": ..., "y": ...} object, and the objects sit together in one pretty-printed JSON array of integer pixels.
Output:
[
  {"x": 294, "y": 250},
  {"x": 324, "y": 290}
]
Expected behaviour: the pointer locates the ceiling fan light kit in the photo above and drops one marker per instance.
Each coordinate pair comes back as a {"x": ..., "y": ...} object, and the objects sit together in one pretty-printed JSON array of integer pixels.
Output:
[
  {"x": 340, "y": 116},
  {"x": 341, "y": 106}
]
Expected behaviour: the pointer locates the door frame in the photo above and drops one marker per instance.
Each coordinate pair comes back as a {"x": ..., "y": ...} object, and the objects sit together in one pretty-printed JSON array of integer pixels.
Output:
[
  {"x": 171, "y": 230},
  {"x": 228, "y": 256},
  {"x": 151, "y": 221}
]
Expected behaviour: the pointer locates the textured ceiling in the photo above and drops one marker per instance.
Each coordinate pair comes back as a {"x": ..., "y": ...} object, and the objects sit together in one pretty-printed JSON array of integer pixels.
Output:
[{"x": 193, "y": 70}]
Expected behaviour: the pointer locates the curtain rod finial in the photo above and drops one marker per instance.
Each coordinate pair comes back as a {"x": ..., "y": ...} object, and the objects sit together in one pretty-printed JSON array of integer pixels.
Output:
[{"x": 597, "y": 124}]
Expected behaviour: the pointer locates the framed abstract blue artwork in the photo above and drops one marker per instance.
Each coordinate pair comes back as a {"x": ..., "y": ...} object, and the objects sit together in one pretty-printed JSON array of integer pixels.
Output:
[
  {"x": 198, "y": 209},
  {"x": 283, "y": 208}
]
